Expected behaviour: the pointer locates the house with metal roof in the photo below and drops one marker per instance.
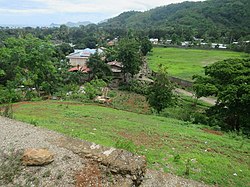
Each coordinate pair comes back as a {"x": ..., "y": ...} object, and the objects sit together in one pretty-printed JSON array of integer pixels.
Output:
[{"x": 79, "y": 57}]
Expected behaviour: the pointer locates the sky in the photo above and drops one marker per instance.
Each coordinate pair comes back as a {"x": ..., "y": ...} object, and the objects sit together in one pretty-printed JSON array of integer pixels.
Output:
[{"x": 45, "y": 12}]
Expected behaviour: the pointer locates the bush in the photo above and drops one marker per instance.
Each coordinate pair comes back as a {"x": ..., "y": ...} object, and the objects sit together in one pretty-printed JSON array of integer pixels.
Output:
[
  {"x": 179, "y": 113},
  {"x": 94, "y": 88},
  {"x": 126, "y": 145},
  {"x": 7, "y": 111},
  {"x": 135, "y": 86},
  {"x": 10, "y": 166},
  {"x": 78, "y": 97},
  {"x": 9, "y": 95}
]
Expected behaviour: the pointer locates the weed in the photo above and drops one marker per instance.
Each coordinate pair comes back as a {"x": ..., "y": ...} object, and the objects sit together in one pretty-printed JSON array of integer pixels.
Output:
[
  {"x": 10, "y": 165},
  {"x": 187, "y": 165},
  {"x": 60, "y": 175},
  {"x": 7, "y": 111},
  {"x": 33, "y": 122},
  {"x": 46, "y": 174},
  {"x": 177, "y": 158},
  {"x": 125, "y": 144}
]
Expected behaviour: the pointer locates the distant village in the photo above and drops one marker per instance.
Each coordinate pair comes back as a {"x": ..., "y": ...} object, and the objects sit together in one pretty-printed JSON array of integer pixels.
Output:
[
  {"x": 199, "y": 42},
  {"x": 79, "y": 58}
]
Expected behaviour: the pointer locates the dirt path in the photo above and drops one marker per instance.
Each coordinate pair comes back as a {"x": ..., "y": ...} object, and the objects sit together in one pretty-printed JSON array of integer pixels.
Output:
[
  {"x": 77, "y": 162},
  {"x": 208, "y": 100}
]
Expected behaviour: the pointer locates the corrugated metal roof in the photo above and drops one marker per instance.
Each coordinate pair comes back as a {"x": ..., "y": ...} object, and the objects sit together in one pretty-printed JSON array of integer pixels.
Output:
[{"x": 85, "y": 53}]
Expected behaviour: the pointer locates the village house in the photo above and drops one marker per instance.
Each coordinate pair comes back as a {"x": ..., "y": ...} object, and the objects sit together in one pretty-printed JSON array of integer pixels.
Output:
[
  {"x": 80, "y": 57},
  {"x": 116, "y": 68},
  {"x": 185, "y": 44},
  {"x": 112, "y": 42},
  {"x": 219, "y": 46},
  {"x": 154, "y": 41}
]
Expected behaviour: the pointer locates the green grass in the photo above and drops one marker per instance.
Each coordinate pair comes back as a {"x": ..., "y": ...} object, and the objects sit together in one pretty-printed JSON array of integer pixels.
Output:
[
  {"x": 184, "y": 63},
  {"x": 167, "y": 143}
]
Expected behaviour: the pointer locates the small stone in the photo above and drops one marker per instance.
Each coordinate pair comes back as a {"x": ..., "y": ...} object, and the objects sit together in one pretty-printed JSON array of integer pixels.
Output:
[
  {"x": 209, "y": 149},
  {"x": 99, "y": 159},
  {"x": 88, "y": 155},
  {"x": 114, "y": 170},
  {"x": 37, "y": 157}
]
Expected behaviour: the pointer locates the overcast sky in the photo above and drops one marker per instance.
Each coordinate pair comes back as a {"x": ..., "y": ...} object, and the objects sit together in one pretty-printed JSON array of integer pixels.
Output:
[{"x": 45, "y": 12}]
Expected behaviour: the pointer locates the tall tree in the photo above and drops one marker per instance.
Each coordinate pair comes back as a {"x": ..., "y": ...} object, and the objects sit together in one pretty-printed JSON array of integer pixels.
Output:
[
  {"x": 228, "y": 80},
  {"x": 129, "y": 54},
  {"x": 146, "y": 45},
  {"x": 98, "y": 67},
  {"x": 160, "y": 93}
]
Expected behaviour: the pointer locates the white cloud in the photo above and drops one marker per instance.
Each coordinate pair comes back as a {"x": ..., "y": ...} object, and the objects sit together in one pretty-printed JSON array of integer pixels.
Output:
[
  {"x": 45, "y": 11},
  {"x": 88, "y": 6}
]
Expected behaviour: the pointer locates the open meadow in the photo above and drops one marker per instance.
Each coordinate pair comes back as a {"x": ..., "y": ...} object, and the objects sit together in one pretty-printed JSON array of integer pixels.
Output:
[
  {"x": 184, "y": 63},
  {"x": 174, "y": 146}
]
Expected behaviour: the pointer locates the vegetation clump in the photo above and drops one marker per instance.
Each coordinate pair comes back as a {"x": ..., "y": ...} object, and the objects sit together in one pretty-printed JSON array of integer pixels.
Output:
[
  {"x": 10, "y": 165},
  {"x": 227, "y": 80}
]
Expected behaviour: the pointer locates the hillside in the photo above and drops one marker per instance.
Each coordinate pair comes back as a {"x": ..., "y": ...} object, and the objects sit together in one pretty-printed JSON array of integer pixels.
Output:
[
  {"x": 173, "y": 146},
  {"x": 202, "y": 17}
]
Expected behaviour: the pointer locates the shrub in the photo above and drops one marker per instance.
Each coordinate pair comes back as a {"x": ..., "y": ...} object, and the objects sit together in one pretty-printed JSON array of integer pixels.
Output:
[
  {"x": 10, "y": 165},
  {"x": 126, "y": 145},
  {"x": 9, "y": 95},
  {"x": 135, "y": 86},
  {"x": 7, "y": 111},
  {"x": 94, "y": 88}
]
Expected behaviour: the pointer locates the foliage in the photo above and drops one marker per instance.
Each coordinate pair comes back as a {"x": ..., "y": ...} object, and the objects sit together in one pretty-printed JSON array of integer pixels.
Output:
[
  {"x": 7, "y": 111},
  {"x": 130, "y": 101},
  {"x": 28, "y": 62},
  {"x": 99, "y": 68},
  {"x": 135, "y": 86},
  {"x": 94, "y": 88},
  {"x": 222, "y": 21},
  {"x": 146, "y": 45},
  {"x": 8, "y": 95},
  {"x": 160, "y": 93},
  {"x": 189, "y": 110},
  {"x": 63, "y": 50},
  {"x": 10, "y": 166},
  {"x": 125, "y": 144},
  {"x": 228, "y": 80},
  {"x": 128, "y": 54}
]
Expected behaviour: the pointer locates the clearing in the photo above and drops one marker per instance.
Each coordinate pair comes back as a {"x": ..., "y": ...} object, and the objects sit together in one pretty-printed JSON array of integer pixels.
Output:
[
  {"x": 184, "y": 63},
  {"x": 169, "y": 145}
]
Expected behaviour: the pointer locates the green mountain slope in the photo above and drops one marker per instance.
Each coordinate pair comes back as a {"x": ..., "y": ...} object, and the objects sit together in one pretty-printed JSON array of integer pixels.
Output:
[{"x": 210, "y": 15}]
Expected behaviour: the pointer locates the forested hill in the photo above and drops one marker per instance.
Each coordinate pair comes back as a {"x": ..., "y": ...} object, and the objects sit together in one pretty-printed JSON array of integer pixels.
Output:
[{"x": 202, "y": 17}]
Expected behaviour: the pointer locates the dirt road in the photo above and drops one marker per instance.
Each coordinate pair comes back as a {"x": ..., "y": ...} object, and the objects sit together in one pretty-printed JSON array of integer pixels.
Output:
[{"x": 208, "y": 100}]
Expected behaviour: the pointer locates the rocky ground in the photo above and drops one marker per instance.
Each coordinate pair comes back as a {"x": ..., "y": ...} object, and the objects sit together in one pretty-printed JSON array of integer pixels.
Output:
[{"x": 74, "y": 162}]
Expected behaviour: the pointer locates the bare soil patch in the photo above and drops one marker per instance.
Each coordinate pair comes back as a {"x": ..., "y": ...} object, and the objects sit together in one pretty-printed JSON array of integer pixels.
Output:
[{"x": 213, "y": 132}]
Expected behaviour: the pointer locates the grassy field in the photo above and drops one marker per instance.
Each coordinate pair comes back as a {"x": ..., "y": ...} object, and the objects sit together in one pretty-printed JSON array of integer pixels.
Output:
[
  {"x": 184, "y": 63},
  {"x": 170, "y": 145}
]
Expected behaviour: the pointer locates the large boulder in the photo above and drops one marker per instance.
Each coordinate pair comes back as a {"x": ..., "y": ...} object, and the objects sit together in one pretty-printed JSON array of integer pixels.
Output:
[{"x": 37, "y": 157}]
